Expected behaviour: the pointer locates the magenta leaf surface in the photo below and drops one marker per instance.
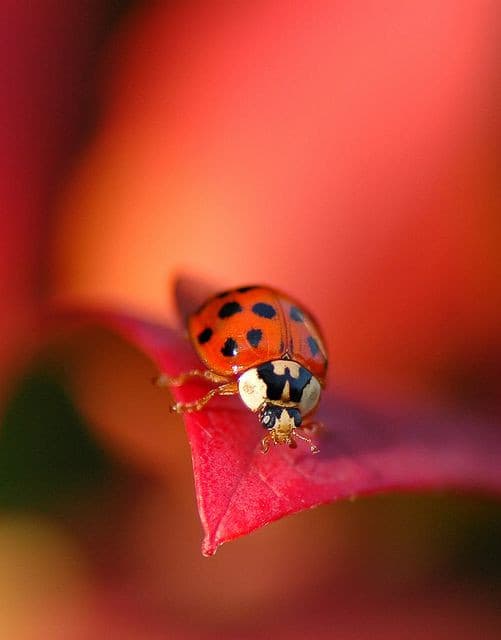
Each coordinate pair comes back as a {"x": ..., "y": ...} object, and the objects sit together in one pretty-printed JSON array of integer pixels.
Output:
[{"x": 364, "y": 450}]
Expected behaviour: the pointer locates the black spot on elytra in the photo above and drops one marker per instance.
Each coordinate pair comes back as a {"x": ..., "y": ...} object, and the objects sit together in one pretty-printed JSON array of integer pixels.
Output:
[
  {"x": 275, "y": 383},
  {"x": 313, "y": 344},
  {"x": 296, "y": 315},
  {"x": 264, "y": 310},
  {"x": 230, "y": 348},
  {"x": 229, "y": 309},
  {"x": 245, "y": 289},
  {"x": 205, "y": 335},
  {"x": 223, "y": 294},
  {"x": 254, "y": 337}
]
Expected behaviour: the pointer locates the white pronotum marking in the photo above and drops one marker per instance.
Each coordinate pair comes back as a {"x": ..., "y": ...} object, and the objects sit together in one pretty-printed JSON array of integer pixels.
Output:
[{"x": 253, "y": 391}]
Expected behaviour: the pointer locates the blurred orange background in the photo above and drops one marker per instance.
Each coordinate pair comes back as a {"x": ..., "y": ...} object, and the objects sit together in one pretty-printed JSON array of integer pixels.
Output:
[{"x": 345, "y": 154}]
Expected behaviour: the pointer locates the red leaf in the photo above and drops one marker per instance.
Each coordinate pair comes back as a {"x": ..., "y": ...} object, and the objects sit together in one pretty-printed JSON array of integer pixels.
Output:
[{"x": 363, "y": 451}]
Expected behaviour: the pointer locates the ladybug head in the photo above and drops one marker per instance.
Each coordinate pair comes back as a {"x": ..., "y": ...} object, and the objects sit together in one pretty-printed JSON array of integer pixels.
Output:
[
  {"x": 282, "y": 424},
  {"x": 282, "y": 419}
]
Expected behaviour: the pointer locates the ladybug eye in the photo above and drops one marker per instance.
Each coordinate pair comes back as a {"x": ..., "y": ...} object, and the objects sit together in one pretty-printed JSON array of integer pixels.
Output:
[
  {"x": 268, "y": 420},
  {"x": 296, "y": 416},
  {"x": 268, "y": 417}
]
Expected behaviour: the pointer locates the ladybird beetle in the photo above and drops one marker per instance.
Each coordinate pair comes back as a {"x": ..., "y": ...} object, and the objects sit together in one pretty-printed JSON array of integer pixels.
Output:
[{"x": 264, "y": 346}]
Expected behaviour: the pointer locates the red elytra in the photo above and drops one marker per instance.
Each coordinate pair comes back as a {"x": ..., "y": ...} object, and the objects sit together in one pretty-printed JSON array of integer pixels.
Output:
[
  {"x": 243, "y": 327},
  {"x": 365, "y": 450}
]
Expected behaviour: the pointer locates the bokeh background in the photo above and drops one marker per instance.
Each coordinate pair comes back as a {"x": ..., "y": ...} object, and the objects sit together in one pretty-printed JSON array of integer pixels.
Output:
[{"x": 345, "y": 152}]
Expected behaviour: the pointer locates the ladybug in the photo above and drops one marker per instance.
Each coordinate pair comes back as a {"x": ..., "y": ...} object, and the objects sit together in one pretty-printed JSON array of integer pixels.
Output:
[{"x": 262, "y": 345}]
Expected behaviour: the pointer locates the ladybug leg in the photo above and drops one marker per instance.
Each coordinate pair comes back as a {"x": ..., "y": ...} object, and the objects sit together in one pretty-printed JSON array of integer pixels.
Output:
[
  {"x": 313, "y": 448},
  {"x": 163, "y": 380},
  {"x": 227, "y": 389},
  {"x": 265, "y": 444}
]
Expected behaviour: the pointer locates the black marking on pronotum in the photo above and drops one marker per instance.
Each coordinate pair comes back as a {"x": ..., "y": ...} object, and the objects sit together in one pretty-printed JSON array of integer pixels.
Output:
[
  {"x": 296, "y": 314},
  {"x": 205, "y": 335},
  {"x": 264, "y": 310},
  {"x": 272, "y": 412},
  {"x": 275, "y": 382},
  {"x": 254, "y": 337},
  {"x": 230, "y": 348},
  {"x": 229, "y": 309},
  {"x": 313, "y": 344},
  {"x": 245, "y": 289}
]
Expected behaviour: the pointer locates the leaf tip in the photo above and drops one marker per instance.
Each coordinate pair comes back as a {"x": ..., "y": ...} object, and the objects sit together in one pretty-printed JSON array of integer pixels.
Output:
[{"x": 209, "y": 547}]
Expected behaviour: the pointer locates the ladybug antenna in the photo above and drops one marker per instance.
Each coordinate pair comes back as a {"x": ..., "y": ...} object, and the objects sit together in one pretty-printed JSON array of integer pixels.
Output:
[
  {"x": 313, "y": 448},
  {"x": 271, "y": 438}
]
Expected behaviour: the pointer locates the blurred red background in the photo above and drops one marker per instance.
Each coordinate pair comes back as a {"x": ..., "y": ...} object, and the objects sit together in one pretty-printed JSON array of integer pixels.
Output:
[{"x": 343, "y": 153}]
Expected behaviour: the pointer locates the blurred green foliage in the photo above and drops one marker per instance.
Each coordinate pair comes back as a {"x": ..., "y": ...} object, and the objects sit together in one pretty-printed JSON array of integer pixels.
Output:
[
  {"x": 478, "y": 554},
  {"x": 47, "y": 453}
]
